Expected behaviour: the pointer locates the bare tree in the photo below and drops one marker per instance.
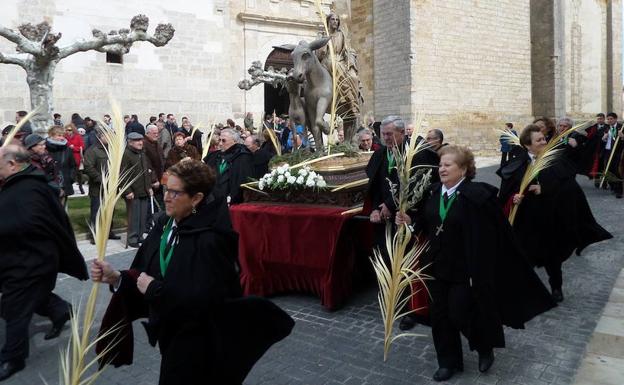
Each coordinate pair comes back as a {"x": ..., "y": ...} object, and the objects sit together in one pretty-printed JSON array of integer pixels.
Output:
[{"x": 38, "y": 54}]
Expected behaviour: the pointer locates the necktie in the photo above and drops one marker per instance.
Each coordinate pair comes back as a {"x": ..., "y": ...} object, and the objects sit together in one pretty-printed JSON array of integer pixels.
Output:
[{"x": 446, "y": 198}]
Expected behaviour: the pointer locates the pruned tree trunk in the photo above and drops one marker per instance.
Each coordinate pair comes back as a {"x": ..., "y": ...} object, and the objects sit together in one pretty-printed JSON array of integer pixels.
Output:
[
  {"x": 40, "y": 83},
  {"x": 38, "y": 54}
]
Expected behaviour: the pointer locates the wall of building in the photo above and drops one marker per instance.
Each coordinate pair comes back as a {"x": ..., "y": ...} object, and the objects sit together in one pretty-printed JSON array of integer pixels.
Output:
[
  {"x": 468, "y": 66},
  {"x": 391, "y": 58},
  {"x": 361, "y": 33},
  {"x": 196, "y": 74},
  {"x": 471, "y": 67}
]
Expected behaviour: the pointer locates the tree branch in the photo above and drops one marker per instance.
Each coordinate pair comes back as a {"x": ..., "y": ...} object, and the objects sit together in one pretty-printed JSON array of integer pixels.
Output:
[
  {"x": 23, "y": 44},
  {"x": 13, "y": 59},
  {"x": 119, "y": 42}
]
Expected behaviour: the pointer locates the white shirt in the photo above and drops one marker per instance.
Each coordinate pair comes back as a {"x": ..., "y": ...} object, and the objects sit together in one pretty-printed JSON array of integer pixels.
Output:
[
  {"x": 451, "y": 191},
  {"x": 533, "y": 157},
  {"x": 609, "y": 139}
]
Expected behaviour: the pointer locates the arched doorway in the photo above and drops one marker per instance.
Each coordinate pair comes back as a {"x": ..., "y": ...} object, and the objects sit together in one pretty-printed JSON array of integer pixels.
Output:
[{"x": 276, "y": 99}]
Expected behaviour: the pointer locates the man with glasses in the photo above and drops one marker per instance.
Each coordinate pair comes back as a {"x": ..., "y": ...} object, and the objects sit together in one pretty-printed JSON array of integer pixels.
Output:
[{"x": 233, "y": 164}]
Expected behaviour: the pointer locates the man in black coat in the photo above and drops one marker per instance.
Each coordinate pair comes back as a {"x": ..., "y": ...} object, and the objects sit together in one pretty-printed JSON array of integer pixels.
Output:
[
  {"x": 37, "y": 242},
  {"x": 233, "y": 165},
  {"x": 609, "y": 139},
  {"x": 381, "y": 171}
]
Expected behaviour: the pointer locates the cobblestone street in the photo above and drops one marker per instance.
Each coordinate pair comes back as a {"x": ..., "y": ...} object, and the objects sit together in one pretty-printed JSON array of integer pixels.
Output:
[{"x": 346, "y": 346}]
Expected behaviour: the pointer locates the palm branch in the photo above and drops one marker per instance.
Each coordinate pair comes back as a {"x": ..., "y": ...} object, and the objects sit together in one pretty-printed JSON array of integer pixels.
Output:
[
  {"x": 508, "y": 136},
  {"x": 18, "y": 126},
  {"x": 74, "y": 364},
  {"x": 544, "y": 160},
  {"x": 397, "y": 274},
  {"x": 606, "y": 170}
]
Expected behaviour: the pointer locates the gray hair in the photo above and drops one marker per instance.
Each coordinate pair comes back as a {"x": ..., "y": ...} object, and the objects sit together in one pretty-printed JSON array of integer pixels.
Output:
[
  {"x": 396, "y": 121},
  {"x": 255, "y": 139},
  {"x": 16, "y": 153},
  {"x": 233, "y": 134},
  {"x": 363, "y": 132},
  {"x": 567, "y": 121},
  {"x": 150, "y": 126}
]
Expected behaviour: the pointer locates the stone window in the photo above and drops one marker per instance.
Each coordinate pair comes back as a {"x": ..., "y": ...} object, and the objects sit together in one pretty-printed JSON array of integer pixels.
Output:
[{"x": 114, "y": 58}]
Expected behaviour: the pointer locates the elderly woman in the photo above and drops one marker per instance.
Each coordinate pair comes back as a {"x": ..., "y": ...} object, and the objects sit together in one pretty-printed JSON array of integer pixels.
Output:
[
  {"x": 58, "y": 148},
  {"x": 481, "y": 281},
  {"x": 553, "y": 218},
  {"x": 194, "y": 139},
  {"x": 184, "y": 278},
  {"x": 181, "y": 150},
  {"x": 40, "y": 158}
]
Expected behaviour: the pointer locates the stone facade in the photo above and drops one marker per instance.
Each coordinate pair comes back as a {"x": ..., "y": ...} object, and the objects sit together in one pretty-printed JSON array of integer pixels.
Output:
[
  {"x": 468, "y": 66},
  {"x": 196, "y": 74}
]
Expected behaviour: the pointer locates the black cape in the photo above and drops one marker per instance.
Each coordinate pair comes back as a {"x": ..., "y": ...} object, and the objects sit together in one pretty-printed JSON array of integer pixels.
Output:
[
  {"x": 207, "y": 333},
  {"x": 35, "y": 232},
  {"x": 239, "y": 169},
  {"x": 379, "y": 179},
  {"x": 556, "y": 222},
  {"x": 503, "y": 281}
]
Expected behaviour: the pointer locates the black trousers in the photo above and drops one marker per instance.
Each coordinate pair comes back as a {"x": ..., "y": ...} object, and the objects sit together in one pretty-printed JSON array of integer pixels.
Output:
[
  {"x": 93, "y": 208},
  {"x": 555, "y": 275},
  {"x": 454, "y": 311},
  {"x": 616, "y": 186},
  {"x": 20, "y": 299}
]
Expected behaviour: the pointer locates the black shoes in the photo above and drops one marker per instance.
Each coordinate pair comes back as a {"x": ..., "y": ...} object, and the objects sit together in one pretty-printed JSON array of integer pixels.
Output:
[
  {"x": 112, "y": 235},
  {"x": 407, "y": 322},
  {"x": 9, "y": 368},
  {"x": 444, "y": 374},
  {"x": 57, "y": 326},
  {"x": 134, "y": 245},
  {"x": 557, "y": 295},
  {"x": 618, "y": 196},
  {"x": 485, "y": 361}
]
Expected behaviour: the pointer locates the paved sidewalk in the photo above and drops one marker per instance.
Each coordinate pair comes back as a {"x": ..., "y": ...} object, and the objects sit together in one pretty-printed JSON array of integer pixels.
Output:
[
  {"x": 346, "y": 346},
  {"x": 604, "y": 360}
]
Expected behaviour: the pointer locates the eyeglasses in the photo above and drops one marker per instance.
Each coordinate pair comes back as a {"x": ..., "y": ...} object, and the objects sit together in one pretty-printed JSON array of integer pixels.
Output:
[{"x": 173, "y": 193}]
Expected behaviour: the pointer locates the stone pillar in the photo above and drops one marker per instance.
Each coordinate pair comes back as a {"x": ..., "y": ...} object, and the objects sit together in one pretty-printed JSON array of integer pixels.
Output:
[
  {"x": 391, "y": 58},
  {"x": 614, "y": 56},
  {"x": 547, "y": 57}
]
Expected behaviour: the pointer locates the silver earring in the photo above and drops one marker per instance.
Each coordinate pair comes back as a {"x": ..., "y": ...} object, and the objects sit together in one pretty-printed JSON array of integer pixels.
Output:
[{"x": 194, "y": 211}]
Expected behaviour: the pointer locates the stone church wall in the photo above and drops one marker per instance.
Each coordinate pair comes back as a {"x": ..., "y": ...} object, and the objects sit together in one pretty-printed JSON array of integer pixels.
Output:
[{"x": 196, "y": 74}]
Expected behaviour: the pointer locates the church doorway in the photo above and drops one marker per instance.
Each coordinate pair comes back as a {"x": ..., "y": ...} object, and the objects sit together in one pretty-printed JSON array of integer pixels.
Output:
[{"x": 276, "y": 99}]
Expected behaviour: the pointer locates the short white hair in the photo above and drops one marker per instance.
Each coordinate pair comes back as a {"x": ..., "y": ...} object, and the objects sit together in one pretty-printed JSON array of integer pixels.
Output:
[{"x": 233, "y": 134}]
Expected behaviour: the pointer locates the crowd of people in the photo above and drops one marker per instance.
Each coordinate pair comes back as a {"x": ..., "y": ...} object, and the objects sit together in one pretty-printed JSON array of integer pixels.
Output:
[{"x": 482, "y": 266}]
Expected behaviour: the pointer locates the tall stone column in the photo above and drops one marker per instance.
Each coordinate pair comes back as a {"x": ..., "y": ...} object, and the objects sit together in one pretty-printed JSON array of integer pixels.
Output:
[{"x": 391, "y": 57}]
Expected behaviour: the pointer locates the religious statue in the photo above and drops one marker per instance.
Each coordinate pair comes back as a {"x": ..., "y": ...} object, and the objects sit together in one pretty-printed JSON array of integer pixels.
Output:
[{"x": 349, "y": 97}]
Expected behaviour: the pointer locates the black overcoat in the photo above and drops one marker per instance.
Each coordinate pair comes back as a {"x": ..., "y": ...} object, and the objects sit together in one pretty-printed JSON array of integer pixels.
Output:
[
  {"x": 35, "y": 233},
  {"x": 556, "y": 222},
  {"x": 503, "y": 282},
  {"x": 207, "y": 333},
  {"x": 239, "y": 169}
]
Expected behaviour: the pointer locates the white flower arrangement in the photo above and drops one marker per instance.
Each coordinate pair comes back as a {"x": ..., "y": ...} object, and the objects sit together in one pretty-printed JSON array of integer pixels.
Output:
[{"x": 286, "y": 178}]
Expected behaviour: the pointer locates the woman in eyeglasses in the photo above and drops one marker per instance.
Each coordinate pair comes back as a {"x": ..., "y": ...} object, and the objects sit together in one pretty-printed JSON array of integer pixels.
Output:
[
  {"x": 182, "y": 149},
  {"x": 184, "y": 279}
]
